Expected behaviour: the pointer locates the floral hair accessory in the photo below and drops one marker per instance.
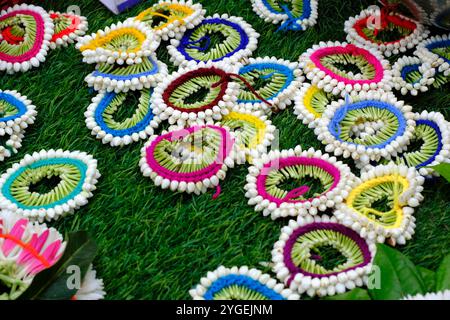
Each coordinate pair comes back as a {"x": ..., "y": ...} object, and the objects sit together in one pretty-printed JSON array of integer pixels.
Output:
[
  {"x": 275, "y": 80},
  {"x": 385, "y": 30},
  {"x": 49, "y": 184},
  {"x": 216, "y": 38},
  {"x": 127, "y": 42},
  {"x": 371, "y": 126},
  {"x": 16, "y": 114},
  {"x": 189, "y": 160},
  {"x": 91, "y": 287},
  {"x": 381, "y": 203},
  {"x": 435, "y": 51},
  {"x": 240, "y": 283},
  {"x": 102, "y": 113},
  {"x": 319, "y": 256},
  {"x": 26, "y": 249},
  {"x": 295, "y": 182},
  {"x": 25, "y": 34},
  {"x": 412, "y": 76},
  {"x": 432, "y": 135},
  {"x": 302, "y": 15},
  {"x": 340, "y": 67},
  {"x": 171, "y": 18},
  {"x": 310, "y": 103},
  {"x": 121, "y": 78},
  {"x": 196, "y": 93},
  {"x": 254, "y": 133},
  {"x": 68, "y": 27}
]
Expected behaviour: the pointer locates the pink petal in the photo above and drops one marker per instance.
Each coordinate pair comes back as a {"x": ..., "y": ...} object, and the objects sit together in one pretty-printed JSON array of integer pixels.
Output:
[
  {"x": 16, "y": 232},
  {"x": 51, "y": 251}
]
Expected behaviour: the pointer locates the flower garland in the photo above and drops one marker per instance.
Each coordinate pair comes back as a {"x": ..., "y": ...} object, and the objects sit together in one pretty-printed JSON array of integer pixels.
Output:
[
  {"x": 32, "y": 29},
  {"x": 68, "y": 27},
  {"x": 216, "y": 38},
  {"x": 171, "y": 18},
  {"x": 127, "y": 42},
  {"x": 275, "y": 183},
  {"x": 380, "y": 204},
  {"x": 435, "y": 51},
  {"x": 240, "y": 283},
  {"x": 412, "y": 76},
  {"x": 26, "y": 249},
  {"x": 301, "y": 256},
  {"x": 16, "y": 114},
  {"x": 394, "y": 34},
  {"x": 302, "y": 15},
  {"x": 371, "y": 126},
  {"x": 101, "y": 114},
  {"x": 275, "y": 80},
  {"x": 189, "y": 160},
  {"x": 197, "y": 93},
  {"x": 340, "y": 67},
  {"x": 76, "y": 174}
]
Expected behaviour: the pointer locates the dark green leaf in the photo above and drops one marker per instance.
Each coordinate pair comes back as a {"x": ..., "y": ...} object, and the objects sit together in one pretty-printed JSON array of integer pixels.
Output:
[
  {"x": 429, "y": 277},
  {"x": 443, "y": 169},
  {"x": 399, "y": 277},
  {"x": 52, "y": 282},
  {"x": 443, "y": 275},
  {"x": 355, "y": 294}
]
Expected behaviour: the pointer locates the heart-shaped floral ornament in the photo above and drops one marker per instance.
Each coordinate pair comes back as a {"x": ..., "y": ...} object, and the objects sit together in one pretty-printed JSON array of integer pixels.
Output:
[
  {"x": 189, "y": 160},
  {"x": 380, "y": 204},
  {"x": 389, "y": 32},
  {"x": 25, "y": 34},
  {"x": 68, "y": 27}
]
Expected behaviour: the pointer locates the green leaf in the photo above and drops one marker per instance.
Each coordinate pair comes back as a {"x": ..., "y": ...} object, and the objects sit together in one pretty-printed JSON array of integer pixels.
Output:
[
  {"x": 52, "y": 282},
  {"x": 429, "y": 277},
  {"x": 355, "y": 294},
  {"x": 443, "y": 169},
  {"x": 443, "y": 275},
  {"x": 398, "y": 275}
]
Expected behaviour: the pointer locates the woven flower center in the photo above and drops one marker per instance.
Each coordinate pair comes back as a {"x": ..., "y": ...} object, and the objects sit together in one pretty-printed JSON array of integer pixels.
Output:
[
  {"x": 248, "y": 129},
  {"x": 442, "y": 49},
  {"x": 61, "y": 23},
  {"x": 349, "y": 66},
  {"x": 161, "y": 15},
  {"x": 316, "y": 101},
  {"x": 7, "y": 109}
]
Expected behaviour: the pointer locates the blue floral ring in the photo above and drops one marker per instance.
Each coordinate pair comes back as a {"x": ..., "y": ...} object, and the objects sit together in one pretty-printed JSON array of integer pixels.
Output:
[
  {"x": 217, "y": 38},
  {"x": 410, "y": 75},
  {"x": 109, "y": 119},
  {"x": 275, "y": 80},
  {"x": 436, "y": 52},
  {"x": 240, "y": 283},
  {"x": 49, "y": 184}
]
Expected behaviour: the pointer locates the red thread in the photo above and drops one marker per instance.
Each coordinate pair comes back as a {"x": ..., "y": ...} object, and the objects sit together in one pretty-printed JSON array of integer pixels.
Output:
[
  {"x": 9, "y": 37},
  {"x": 217, "y": 193},
  {"x": 27, "y": 247}
]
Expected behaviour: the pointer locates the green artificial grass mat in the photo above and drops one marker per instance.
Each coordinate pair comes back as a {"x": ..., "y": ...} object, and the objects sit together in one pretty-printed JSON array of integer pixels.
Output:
[{"x": 156, "y": 244}]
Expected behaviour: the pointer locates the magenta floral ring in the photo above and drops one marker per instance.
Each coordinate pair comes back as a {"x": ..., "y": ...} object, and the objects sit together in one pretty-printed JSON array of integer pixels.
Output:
[
  {"x": 340, "y": 67},
  {"x": 295, "y": 182},
  {"x": 34, "y": 30},
  {"x": 189, "y": 160},
  {"x": 319, "y": 256}
]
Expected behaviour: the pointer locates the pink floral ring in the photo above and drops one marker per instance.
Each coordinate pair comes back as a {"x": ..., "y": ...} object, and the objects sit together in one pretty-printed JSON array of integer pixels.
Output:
[
  {"x": 341, "y": 67},
  {"x": 36, "y": 27}
]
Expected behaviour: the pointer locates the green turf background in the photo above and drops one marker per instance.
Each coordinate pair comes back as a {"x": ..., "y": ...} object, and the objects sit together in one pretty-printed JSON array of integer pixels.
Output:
[{"x": 155, "y": 244}]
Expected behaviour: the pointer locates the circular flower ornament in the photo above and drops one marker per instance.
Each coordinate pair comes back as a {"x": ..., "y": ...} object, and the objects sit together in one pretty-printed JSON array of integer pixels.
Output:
[
  {"x": 436, "y": 52},
  {"x": 240, "y": 283},
  {"x": 68, "y": 27},
  {"x": 127, "y": 42},
  {"x": 216, "y": 38},
  {"x": 121, "y": 78},
  {"x": 171, "y": 18},
  {"x": 381, "y": 203},
  {"x": 49, "y": 184},
  {"x": 340, "y": 67},
  {"x": 321, "y": 257},
  {"x": 273, "y": 79},
  {"x": 197, "y": 93},
  {"x": 26, "y": 249},
  {"x": 102, "y": 114},
  {"x": 189, "y": 160},
  {"x": 371, "y": 126},
  {"x": 389, "y": 32},
  {"x": 301, "y": 15},
  {"x": 410, "y": 75},
  {"x": 310, "y": 103},
  {"x": 254, "y": 133},
  {"x": 25, "y": 34},
  {"x": 295, "y": 182}
]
